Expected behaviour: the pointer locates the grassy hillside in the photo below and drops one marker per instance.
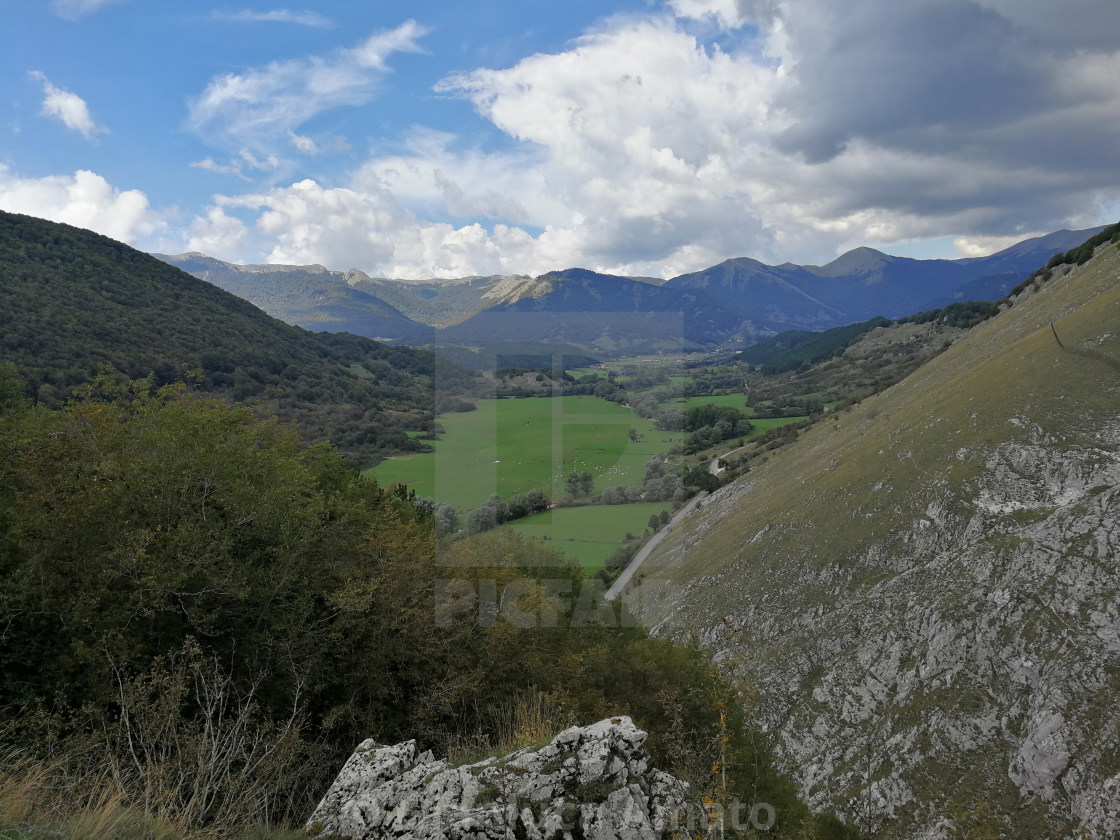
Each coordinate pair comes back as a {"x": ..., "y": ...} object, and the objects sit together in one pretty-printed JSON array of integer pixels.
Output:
[
  {"x": 72, "y": 300},
  {"x": 893, "y": 570}
]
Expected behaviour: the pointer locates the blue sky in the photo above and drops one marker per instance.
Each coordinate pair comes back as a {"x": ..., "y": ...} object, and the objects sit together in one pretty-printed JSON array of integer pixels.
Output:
[{"x": 645, "y": 137}]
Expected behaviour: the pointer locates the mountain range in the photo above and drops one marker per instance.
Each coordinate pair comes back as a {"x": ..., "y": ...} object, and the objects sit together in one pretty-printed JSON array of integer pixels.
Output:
[{"x": 731, "y": 304}]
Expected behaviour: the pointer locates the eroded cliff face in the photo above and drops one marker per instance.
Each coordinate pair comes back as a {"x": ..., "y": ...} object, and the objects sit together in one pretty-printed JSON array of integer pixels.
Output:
[
  {"x": 927, "y": 590},
  {"x": 593, "y": 781},
  {"x": 987, "y": 665}
]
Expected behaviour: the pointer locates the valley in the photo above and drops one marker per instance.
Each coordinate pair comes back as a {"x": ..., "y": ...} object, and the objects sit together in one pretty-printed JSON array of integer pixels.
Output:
[
  {"x": 897, "y": 557},
  {"x": 627, "y": 420}
]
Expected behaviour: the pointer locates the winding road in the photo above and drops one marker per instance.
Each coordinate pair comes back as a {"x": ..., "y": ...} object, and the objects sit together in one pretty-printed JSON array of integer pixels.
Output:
[
  {"x": 640, "y": 557},
  {"x": 620, "y": 583}
]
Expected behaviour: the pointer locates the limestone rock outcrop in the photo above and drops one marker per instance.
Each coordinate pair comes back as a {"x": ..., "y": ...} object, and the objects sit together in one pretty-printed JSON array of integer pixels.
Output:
[{"x": 591, "y": 782}]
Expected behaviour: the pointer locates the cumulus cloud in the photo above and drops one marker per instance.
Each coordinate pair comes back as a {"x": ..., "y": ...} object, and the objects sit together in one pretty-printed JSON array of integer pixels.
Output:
[
  {"x": 647, "y": 147},
  {"x": 636, "y": 129},
  {"x": 833, "y": 127},
  {"x": 304, "y": 18},
  {"x": 218, "y": 234},
  {"x": 66, "y": 107},
  {"x": 368, "y": 229},
  {"x": 982, "y": 246},
  {"x": 84, "y": 200},
  {"x": 256, "y": 109}
]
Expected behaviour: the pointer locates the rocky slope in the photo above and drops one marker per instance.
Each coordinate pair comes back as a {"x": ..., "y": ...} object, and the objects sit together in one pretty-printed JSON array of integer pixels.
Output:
[
  {"x": 592, "y": 781},
  {"x": 926, "y": 589}
]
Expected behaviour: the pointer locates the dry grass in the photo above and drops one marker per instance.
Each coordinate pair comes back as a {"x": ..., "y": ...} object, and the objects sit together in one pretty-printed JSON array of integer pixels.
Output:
[
  {"x": 46, "y": 799},
  {"x": 149, "y": 772},
  {"x": 530, "y": 719}
]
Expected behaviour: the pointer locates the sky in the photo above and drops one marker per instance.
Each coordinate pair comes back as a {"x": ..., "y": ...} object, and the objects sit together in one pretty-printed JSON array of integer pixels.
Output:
[{"x": 639, "y": 137}]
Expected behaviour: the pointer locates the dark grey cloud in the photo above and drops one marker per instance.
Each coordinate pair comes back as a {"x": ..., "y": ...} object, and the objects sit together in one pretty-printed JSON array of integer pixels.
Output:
[
  {"x": 913, "y": 75},
  {"x": 1015, "y": 90}
]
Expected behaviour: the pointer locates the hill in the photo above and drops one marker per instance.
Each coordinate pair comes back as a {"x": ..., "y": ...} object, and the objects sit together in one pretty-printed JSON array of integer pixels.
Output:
[
  {"x": 925, "y": 586},
  {"x": 604, "y": 314},
  {"x": 72, "y": 300},
  {"x": 307, "y": 296},
  {"x": 440, "y": 303}
]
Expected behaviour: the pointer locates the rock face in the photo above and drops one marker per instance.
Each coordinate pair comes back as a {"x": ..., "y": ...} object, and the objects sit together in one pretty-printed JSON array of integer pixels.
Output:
[{"x": 589, "y": 782}]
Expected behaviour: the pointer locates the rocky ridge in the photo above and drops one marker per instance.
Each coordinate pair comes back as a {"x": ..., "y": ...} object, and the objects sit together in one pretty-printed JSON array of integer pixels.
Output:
[{"x": 588, "y": 782}]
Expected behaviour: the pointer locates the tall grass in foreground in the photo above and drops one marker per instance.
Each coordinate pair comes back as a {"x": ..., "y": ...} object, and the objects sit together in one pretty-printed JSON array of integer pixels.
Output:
[
  {"x": 40, "y": 799},
  {"x": 46, "y": 800}
]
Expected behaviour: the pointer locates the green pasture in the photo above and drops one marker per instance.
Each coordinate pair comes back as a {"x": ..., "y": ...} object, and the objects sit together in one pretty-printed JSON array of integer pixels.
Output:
[
  {"x": 763, "y": 425},
  {"x": 508, "y": 446},
  {"x": 589, "y": 534}
]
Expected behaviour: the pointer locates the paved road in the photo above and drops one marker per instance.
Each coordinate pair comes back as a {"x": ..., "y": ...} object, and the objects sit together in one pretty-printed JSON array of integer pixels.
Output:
[
  {"x": 715, "y": 469},
  {"x": 640, "y": 557}
]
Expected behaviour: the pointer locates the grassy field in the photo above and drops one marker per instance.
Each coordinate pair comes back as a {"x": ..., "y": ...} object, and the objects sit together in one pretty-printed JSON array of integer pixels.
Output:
[
  {"x": 600, "y": 529},
  {"x": 763, "y": 425},
  {"x": 510, "y": 446}
]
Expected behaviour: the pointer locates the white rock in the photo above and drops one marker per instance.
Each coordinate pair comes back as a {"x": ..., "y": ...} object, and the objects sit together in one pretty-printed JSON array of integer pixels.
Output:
[{"x": 594, "y": 787}]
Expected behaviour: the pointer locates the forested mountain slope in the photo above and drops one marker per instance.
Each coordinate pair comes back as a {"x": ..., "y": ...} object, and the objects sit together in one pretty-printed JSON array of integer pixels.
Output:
[{"x": 72, "y": 300}]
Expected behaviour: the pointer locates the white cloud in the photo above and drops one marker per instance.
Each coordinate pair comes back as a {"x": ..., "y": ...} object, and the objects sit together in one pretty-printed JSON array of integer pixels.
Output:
[
  {"x": 304, "y": 18},
  {"x": 268, "y": 163},
  {"x": 303, "y": 144},
  {"x": 645, "y": 135},
  {"x": 644, "y": 149},
  {"x": 434, "y": 179},
  {"x": 220, "y": 235},
  {"x": 210, "y": 165},
  {"x": 727, "y": 13},
  {"x": 257, "y": 108},
  {"x": 68, "y": 108},
  {"x": 983, "y": 246},
  {"x": 948, "y": 118},
  {"x": 74, "y": 9},
  {"x": 84, "y": 200},
  {"x": 368, "y": 229},
  {"x": 310, "y": 146},
  {"x": 237, "y": 166}
]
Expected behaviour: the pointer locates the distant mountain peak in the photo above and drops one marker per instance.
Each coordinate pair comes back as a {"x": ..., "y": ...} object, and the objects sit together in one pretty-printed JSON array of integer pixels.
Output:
[{"x": 862, "y": 260}]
